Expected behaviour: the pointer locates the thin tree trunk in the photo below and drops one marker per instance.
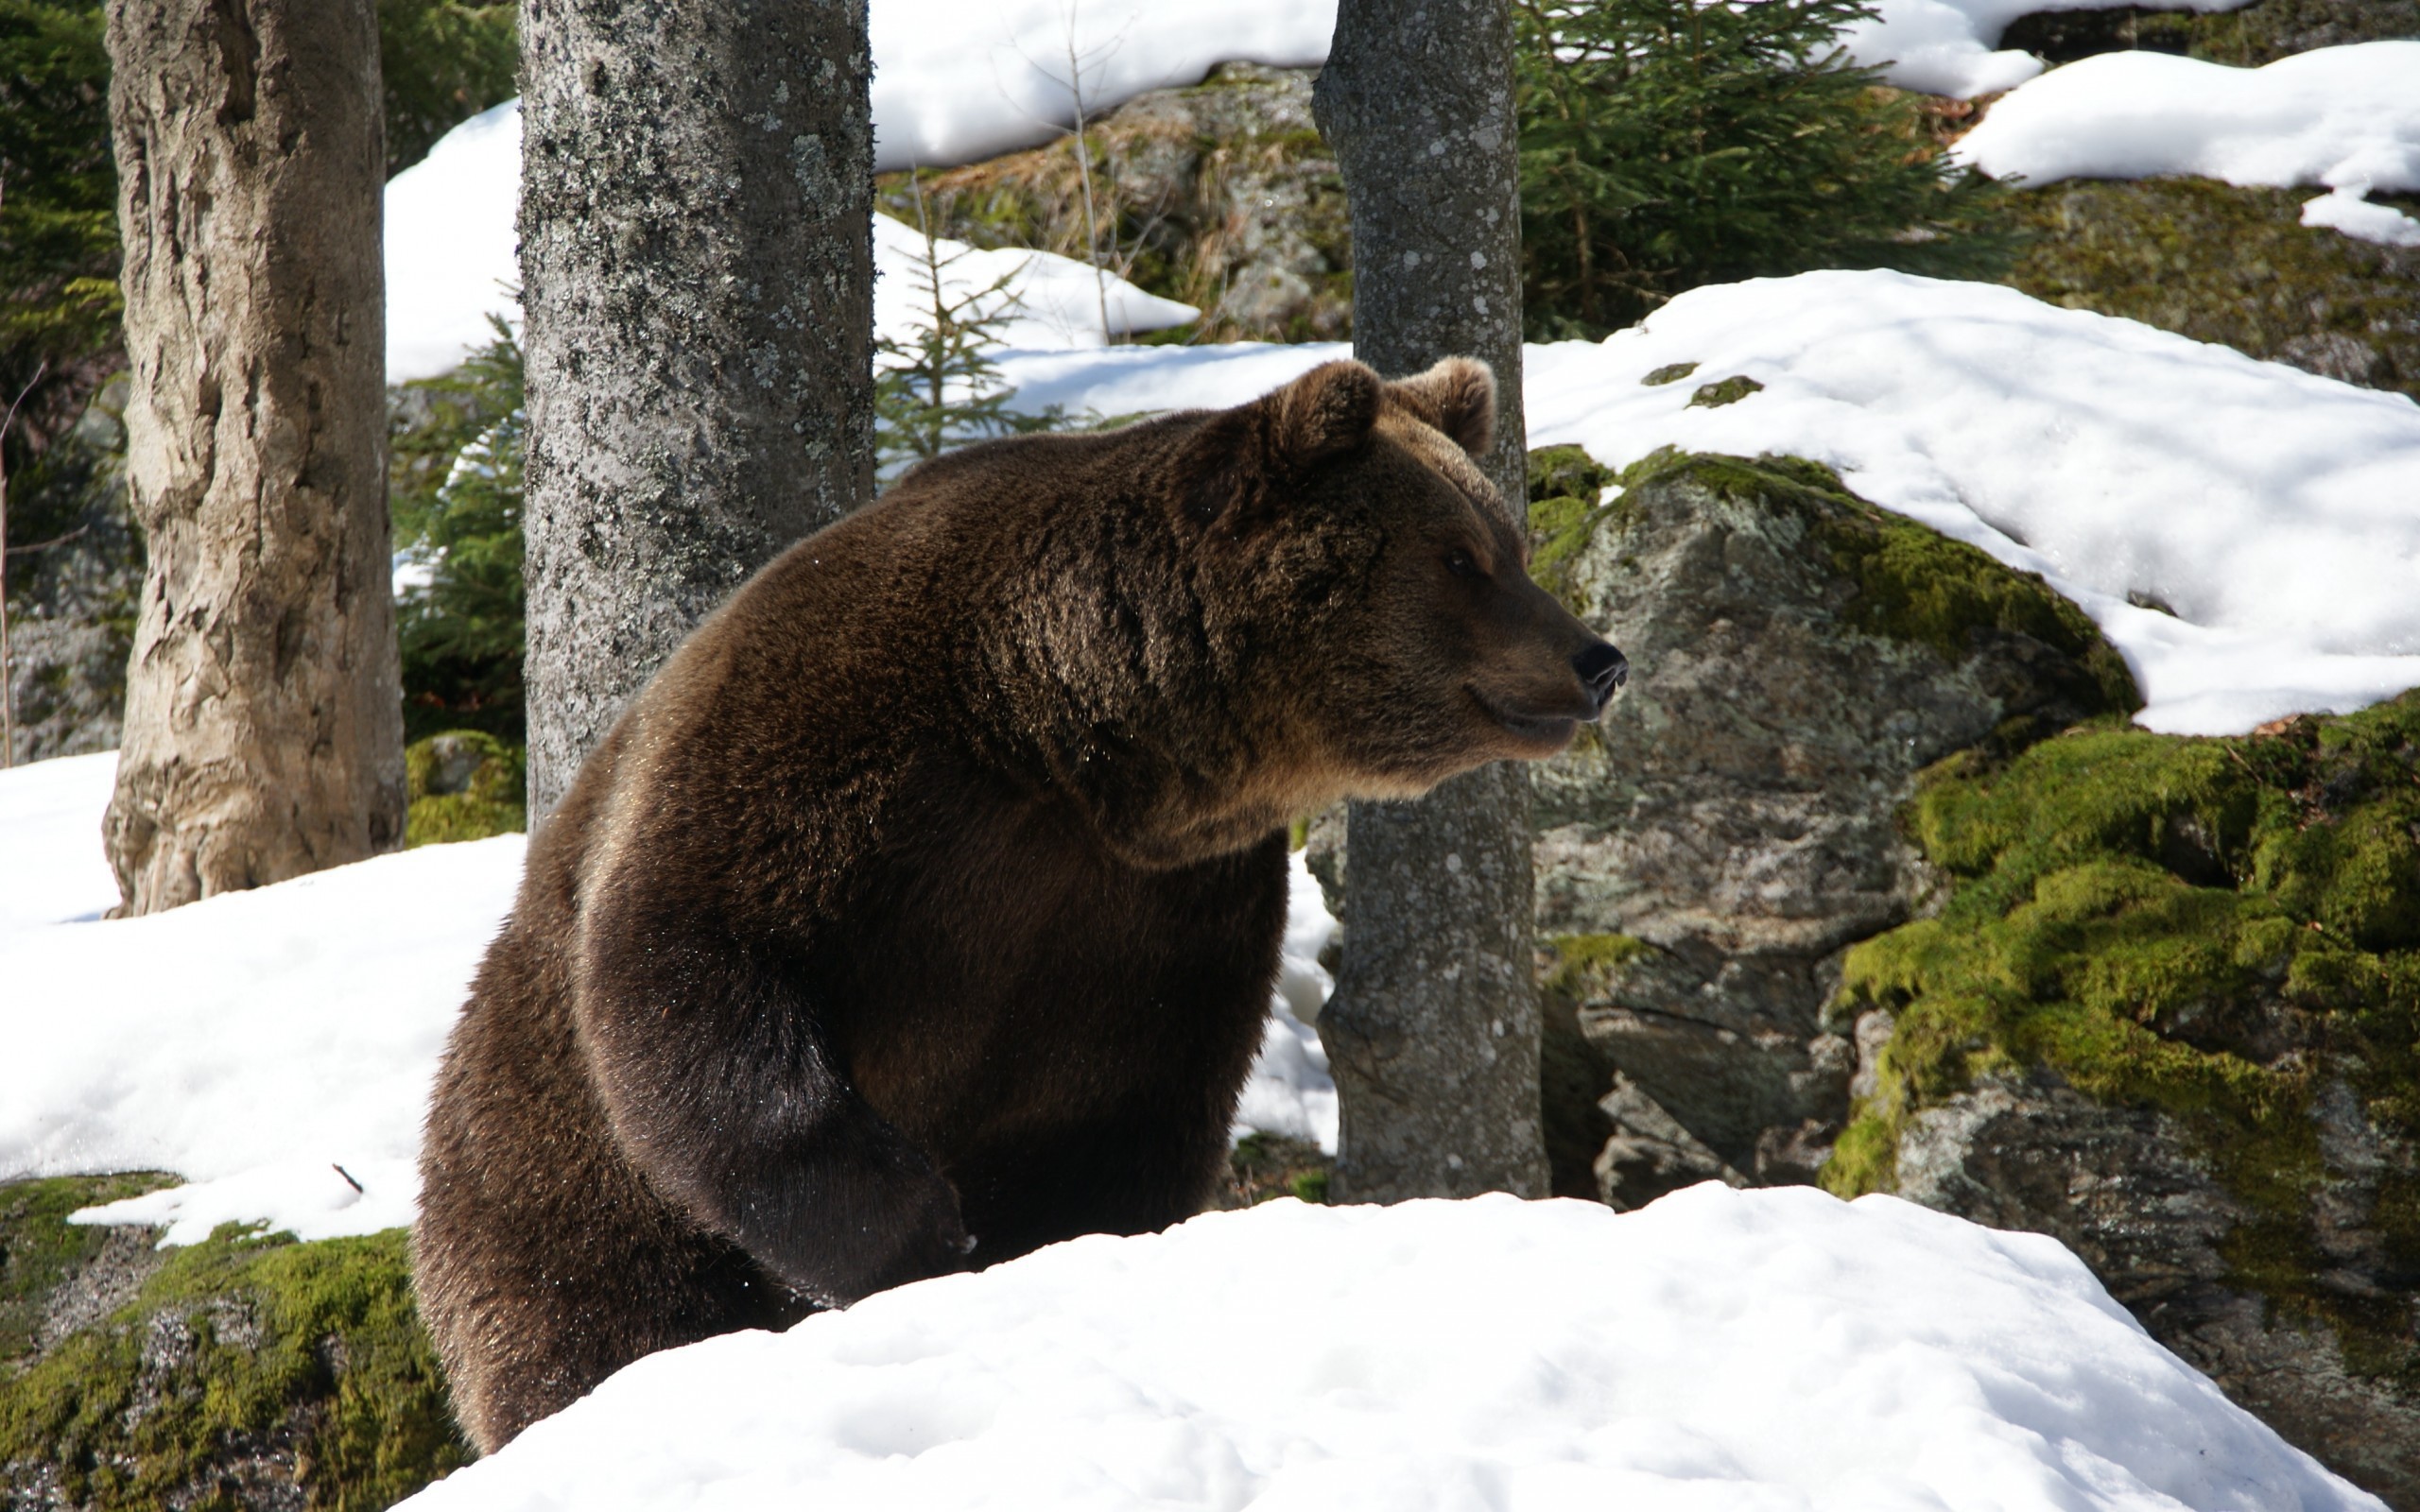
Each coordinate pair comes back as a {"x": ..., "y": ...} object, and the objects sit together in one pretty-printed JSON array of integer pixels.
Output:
[
  {"x": 698, "y": 264},
  {"x": 264, "y": 719},
  {"x": 1433, "y": 1030}
]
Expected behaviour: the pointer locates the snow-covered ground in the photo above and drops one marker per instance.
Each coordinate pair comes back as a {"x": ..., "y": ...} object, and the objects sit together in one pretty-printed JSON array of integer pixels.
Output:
[
  {"x": 2278, "y": 513},
  {"x": 451, "y": 264},
  {"x": 1719, "y": 1351},
  {"x": 2345, "y": 119},
  {"x": 276, "y": 1047},
  {"x": 1949, "y": 47}
]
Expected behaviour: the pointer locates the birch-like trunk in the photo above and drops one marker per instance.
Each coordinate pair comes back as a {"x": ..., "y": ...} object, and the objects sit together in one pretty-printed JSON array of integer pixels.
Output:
[
  {"x": 698, "y": 269},
  {"x": 264, "y": 720},
  {"x": 1433, "y": 1031}
]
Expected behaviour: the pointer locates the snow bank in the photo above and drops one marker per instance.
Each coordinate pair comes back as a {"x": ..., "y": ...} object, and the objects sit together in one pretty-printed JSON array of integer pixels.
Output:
[
  {"x": 452, "y": 262},
  {"x": 250, "y": 1042},
  {"x": 960, "y": 80},
  {"x": 1718, "y": 1351},
  {"x": 276, "y": 1047},
  {"x": 1946, "y": 46},
  {"x": 50, "y": 834},
  {"x": 2276, "y": 513},
  {"x": 2344, "y": 117}
]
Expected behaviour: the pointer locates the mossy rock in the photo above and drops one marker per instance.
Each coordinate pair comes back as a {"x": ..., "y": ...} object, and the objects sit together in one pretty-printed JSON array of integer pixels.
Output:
[
  {"x": 246, "y": 1371},
  {"x": 1262, "y": 1166},
  {"x": 2249, "y": 36},
  {"x": 1221, "y": 196},
  {"x": 1798, "y": 655},
  {"x": 2204, "y": 954},
  {"x": 2230, "y": 266},
  {"x": 464, "y": 785}
]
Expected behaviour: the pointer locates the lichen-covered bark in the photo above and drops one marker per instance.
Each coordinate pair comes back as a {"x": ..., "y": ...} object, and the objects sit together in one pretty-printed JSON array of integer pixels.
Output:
[
  {"x": 1434, "y": 1026},
  {"x": 263, "y": 726},
  {"x": 697, "y": 182}
]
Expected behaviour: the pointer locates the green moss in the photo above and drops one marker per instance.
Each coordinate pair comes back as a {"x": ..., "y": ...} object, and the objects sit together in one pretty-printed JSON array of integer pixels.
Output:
[
  {"x": 1567, "y": 492},
  {"x": 40, "y": 1248},
  {"x": 1263, "y": 1166},
  {"x": 2204, "y": 927},
  {"x": 491, "y": 805},
  {"x": 236, "y": 1347},
  {"x": 1581, "y": 966},
  {"x": 1724, "y": 391},
  {"x": 1672, "y": 372}
]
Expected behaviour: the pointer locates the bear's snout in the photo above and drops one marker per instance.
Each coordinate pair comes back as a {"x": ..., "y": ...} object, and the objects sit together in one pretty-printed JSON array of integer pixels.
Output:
[{"x": 1601, "y": 668}]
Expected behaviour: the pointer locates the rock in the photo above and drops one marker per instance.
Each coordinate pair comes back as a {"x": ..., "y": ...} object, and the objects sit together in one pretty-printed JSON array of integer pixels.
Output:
[
  {"x": 74, "y": 571},
  {"x": 2246, "y": 38},
  {"x": 1705, "y": 853},
  {"x": 1220, "y": 194},
  {"x": 245, "y": 1373},
  {"x": 2169, "y": 1014},
  {"x": 465, "y": 784},
  {"x": 2219, "y": 263}
]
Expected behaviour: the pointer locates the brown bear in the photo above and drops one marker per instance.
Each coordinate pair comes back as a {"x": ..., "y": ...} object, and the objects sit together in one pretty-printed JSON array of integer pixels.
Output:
[{"x": 925, "y": 908}]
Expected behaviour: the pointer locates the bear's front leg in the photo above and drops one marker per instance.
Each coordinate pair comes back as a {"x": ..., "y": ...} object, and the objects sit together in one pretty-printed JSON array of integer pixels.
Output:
[{"x": 720, "y": 1091}]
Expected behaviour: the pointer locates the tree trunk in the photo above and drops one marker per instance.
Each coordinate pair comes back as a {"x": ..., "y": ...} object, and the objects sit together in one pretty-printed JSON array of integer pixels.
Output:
[
  {"x": 697, "y": 255},
  {"x": 264, "y": 719},
  {"x": 1433, "y": 1031}
]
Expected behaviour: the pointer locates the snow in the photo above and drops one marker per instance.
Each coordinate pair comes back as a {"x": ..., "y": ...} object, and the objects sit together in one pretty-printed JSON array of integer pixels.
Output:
[
  {"x": 954, "y": 82},
  {"x": 960, "y": 80},
  {"x": 451, "y": 264},
  {"x": 1775, "y": 1351},
  {"x": 276, "y": 1047},
  {"x": 1947, "y": 46},
  {"x": 2277, "y": 512},
  {"x": 2347, "y": 118}
]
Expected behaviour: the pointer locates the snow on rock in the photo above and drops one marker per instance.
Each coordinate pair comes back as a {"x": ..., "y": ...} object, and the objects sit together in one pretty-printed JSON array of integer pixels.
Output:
[
  {"x": 2347, "y": 118},
  {"x": 276, "y": 1047},
  {"x": 960, "y": 80},
  {"x": 1946, "y": 46},
  {"x": 250, "y": 1042},
  {"x": 1717, "y": 1351},
  {"x": 2276, "y": 513},
  {"x": 1046, "y": 301},
  {"x": 451, "y": 264}
]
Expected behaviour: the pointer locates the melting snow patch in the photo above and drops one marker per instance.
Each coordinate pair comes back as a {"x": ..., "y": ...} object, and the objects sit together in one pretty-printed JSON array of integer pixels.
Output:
[
  {"x": 2347, "y": 118},
  {"x": 1718, "y": 1351},
  {"x": 1946, "y": 46}
]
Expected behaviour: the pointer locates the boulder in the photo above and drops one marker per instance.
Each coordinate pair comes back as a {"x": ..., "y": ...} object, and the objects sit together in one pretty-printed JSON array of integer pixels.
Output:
[
  {"x": 2246, "y": 38},
  {"x": 2232, "y": 266},
  {"x": 2170, "y": 1013},
  {"x": 1707, "y": 852},
  {"x": 1222, "y": 195},
  {"x": 246, "y": 1373},
  {"x": 75, "y": 574}
]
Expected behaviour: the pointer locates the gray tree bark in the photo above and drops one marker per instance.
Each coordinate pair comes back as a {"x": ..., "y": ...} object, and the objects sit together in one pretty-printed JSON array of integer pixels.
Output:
[
  {"x": 1433, "y": 1030},
  {"x": 264, "y": 716},
  {"x": 697, "y": 255}
]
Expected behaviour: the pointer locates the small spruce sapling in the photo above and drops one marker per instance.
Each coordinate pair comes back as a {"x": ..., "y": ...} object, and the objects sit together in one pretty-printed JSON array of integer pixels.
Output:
[{"x": 939, "y": 388}]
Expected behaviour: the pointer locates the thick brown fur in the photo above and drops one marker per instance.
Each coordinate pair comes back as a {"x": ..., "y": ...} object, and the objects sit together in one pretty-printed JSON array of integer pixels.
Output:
[{"x": 933, "y": 888}]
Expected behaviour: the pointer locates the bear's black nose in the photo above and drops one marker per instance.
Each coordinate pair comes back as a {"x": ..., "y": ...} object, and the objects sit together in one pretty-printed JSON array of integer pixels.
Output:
[{"x": 1601, "y": 670}]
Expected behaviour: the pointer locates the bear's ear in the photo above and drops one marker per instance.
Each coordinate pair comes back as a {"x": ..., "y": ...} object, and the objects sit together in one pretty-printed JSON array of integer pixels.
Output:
[
  {"x": 1456, "y": 396},
  {"x": 1328, "y": 412}
]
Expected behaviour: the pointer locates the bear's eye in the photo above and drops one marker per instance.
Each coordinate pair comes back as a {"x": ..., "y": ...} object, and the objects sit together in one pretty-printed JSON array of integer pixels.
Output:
[{"x": 1461, "y": 564}]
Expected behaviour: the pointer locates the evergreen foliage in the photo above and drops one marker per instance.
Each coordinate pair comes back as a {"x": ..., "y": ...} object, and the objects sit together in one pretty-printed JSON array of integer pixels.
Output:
[
  {"x": 455, "y": 492},
  {"x": 444, "y": 62},
  {"x": 1667, "y": 144},
  {"x": 59, "y": 248},
  {"x": 940, "y": 388}
]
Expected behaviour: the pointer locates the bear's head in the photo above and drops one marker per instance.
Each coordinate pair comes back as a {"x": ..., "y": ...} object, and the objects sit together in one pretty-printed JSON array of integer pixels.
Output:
[{"x": 1382, "y": 584}]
